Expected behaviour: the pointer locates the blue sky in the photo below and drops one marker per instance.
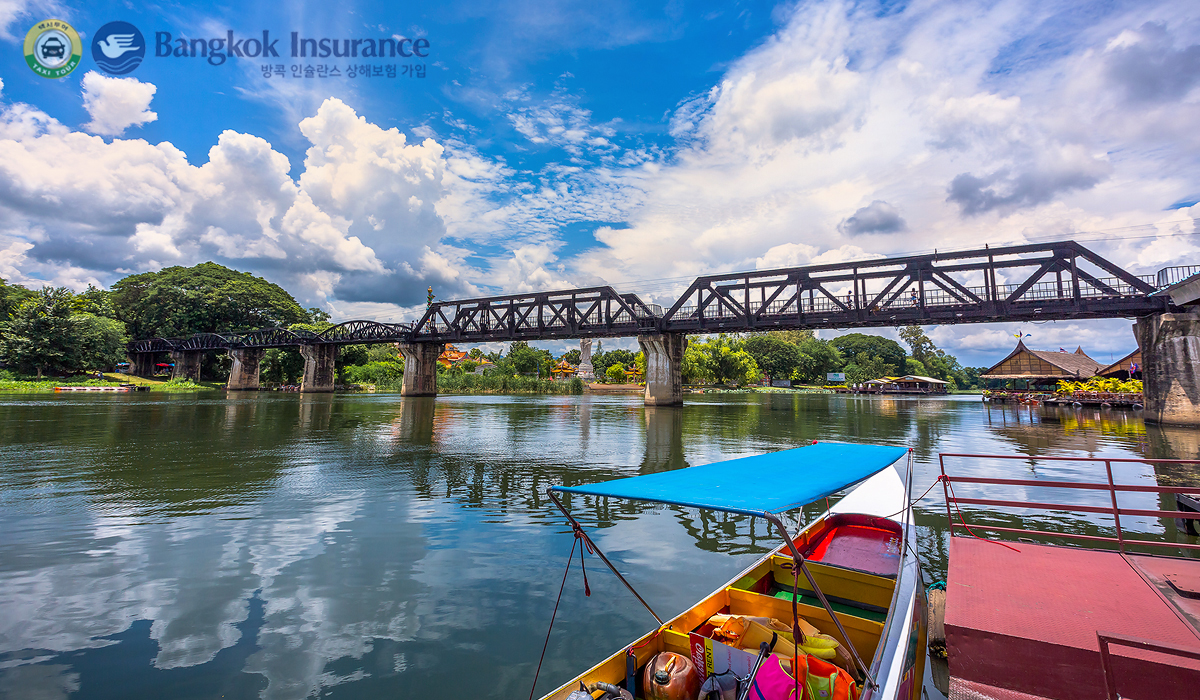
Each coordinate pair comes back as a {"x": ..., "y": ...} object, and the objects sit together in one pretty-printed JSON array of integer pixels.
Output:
[{"x": 555, "y": 144}]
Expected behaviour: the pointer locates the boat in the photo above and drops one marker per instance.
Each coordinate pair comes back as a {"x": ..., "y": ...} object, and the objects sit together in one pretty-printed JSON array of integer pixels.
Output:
[{"x": 854, "y": 568}]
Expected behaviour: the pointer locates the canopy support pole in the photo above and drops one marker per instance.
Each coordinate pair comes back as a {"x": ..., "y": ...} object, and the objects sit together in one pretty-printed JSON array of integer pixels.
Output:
[
  {"x": 579, "y": 531},
  {"x": 799, "y": 559}
]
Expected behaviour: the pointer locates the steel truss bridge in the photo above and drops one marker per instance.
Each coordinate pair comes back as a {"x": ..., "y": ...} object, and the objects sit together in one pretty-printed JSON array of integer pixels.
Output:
[{"x": 1052, "y": 281}]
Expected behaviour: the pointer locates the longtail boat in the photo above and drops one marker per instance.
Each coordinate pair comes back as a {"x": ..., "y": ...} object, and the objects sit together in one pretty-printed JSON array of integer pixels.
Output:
[{"x": 841, "y": 602}]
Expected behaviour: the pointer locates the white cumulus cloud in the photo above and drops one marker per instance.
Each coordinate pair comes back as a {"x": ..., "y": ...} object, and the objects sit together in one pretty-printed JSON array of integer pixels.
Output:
[{"x": 116, "y": 104}]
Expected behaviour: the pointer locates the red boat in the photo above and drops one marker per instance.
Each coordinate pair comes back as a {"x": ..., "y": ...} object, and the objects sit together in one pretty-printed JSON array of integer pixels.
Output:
[{"x": 1094, "y": 617}]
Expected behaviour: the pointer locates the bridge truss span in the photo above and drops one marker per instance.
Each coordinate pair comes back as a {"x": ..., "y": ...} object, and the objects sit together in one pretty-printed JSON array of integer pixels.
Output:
[
  {"x": 575, "y": 313},
  {"x": 1040, "y": 282},
  {"x": 1016, "y": 283}
]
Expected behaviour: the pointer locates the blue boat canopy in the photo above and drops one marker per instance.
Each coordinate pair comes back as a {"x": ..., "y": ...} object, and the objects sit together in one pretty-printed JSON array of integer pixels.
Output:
[{"x": 770, "y": 483}]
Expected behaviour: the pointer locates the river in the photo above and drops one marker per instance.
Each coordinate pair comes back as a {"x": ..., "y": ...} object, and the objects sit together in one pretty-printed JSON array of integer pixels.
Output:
[{"x": 369, "y": 546}]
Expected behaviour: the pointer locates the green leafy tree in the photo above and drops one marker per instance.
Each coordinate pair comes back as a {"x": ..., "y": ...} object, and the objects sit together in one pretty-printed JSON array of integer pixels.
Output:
[
  {"x": 724, "y": 359},
  {"x": 773, "y": 355},
  {"x": 913, "y": 366},
  {"x": 936, "y": 361},
  {"x": 528, "y": 360},
  {"x": 351, "y": 356},
  {"x": 817, "y": 359},
  {"x": 95, "y": 301},
  {"x": 282, "y": 366},
  {"x": 601, "y": 361},
  {"x": 572, "y": 356},
  {"x": 866, "y": 367},
  {"x": 615, "y": 374},
  {"x": 852, "y": 345},
  {"x": 695, "y": 367},
  {"x": 41, "y": 336},
  {"x": 317, "y": 315},
  {"x": 207, "y": 298},
  {"x": 793, "y": 337},
  {"x": 99, "y": 342},
  {"x": 11, "y": 296},
  {"x": 374, "y": 373}
]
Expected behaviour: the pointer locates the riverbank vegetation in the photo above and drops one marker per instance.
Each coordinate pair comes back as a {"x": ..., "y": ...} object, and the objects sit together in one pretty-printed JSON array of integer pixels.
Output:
[{"x": 67, "y": 336}]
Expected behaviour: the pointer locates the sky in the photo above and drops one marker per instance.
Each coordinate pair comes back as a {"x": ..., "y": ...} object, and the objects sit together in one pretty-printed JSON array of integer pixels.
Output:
[{"x": 548, "y": 145}]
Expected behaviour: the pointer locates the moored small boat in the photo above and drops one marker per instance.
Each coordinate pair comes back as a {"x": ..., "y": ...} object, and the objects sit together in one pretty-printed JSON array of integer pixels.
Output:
[{"x": 857, "y": 627}]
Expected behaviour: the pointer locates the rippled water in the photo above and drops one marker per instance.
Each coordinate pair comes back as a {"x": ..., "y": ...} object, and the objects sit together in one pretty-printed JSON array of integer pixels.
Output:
[{"x": 283, "y": 546}]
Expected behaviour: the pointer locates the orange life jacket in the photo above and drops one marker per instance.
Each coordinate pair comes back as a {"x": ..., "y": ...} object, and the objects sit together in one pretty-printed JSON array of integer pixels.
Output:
[{"x": 819, "y": 680}]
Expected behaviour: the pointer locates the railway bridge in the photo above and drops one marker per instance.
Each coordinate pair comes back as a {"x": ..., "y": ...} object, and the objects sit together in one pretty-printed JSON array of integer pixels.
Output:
[{"x": 1040, "y": 282}]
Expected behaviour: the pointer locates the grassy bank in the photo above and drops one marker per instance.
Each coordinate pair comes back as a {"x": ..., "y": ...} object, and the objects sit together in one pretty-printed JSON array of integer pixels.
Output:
[
  {"x": 479, "y": 384},
  {"x": 21, "y": 384}
]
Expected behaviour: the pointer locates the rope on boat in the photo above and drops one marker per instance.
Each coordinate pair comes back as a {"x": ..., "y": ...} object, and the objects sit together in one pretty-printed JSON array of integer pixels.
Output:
[
  {"x": 918, "y": 499},
  {"x": 968, "y": 529},
  {"x": 554, "y": 614},
  {"x": 950, "y": 486},
  {"x": 797, "y": 634}
]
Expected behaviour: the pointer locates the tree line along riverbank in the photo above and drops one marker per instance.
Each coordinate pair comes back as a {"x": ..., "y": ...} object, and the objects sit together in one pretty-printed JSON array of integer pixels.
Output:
[{"x": 56, "y": 337}]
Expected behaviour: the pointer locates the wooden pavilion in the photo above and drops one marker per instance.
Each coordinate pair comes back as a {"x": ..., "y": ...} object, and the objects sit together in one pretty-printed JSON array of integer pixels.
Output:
[{"x": 1042, "y": 369}]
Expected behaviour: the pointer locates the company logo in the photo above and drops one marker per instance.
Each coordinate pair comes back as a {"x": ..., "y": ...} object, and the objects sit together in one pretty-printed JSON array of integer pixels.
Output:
[
  {"x": 118, "y": 48},
  {"x": 52, "y": 48}
]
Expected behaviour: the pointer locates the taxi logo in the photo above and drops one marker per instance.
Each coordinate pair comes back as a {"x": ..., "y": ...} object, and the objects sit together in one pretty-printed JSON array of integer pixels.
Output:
[
  {"x": 118, "y": 48},
  {"x": 52, "y": 48}
]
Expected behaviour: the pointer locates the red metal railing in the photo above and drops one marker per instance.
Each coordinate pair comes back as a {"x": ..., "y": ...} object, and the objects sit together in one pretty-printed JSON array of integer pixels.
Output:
[
  {"x": 1105, "y": 640},
  {"x": 953, "y": 502}
]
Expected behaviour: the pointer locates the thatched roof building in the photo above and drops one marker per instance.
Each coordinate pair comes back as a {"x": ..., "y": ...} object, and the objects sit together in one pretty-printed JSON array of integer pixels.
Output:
[
  {"x": 1124, "y": 368},
  {"x": 1043, "y": 366}
]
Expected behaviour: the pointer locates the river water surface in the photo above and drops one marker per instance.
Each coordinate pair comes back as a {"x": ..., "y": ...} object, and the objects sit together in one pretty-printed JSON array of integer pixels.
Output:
[{"x": 369, "y": 546}]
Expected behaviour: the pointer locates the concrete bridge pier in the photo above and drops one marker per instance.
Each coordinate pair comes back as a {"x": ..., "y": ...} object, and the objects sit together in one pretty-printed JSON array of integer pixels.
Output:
[
  {"x": 141, "y": 364},
  {"x": 243, "y": 375},
  {"x": 1170, "y": 346},
  {"x": 187, "y": 364},
  {"x": 319, "y": 366},
  {"x": 420, "y": 368},
  {"x": 664, "y": 368}
]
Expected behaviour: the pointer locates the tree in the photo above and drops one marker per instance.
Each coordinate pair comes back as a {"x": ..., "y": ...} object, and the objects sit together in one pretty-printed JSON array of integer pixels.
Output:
[
  {"x": 601, "y": 361},
  {"x": 817, "y": 359},
  {"x": 527, "y": 360},
  {"x": 615, "y": 374},
  {"x": 41, "y": 335},
  {"x": 793, "y": 337},
  {"x": 936, "y": 361},
  {"x": 572, "y": 356},
  {"x": 913, "y": 366},
  {"x": 207, "y": 298},
  {"x": 723, "y": 359},
  {"x": 282, "y": 366},
  {"x": 867, "y": 367},
  {"x": 11, "y": 296},
  {"x": 351, "y": 356},
  {"x": 99, "y": 342},
  {"x": 852, "y": 344},
  {"x": 95, "y": 301},
  {"x": 695, "y": 366},
  {"x": 773, "y": 355}
]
